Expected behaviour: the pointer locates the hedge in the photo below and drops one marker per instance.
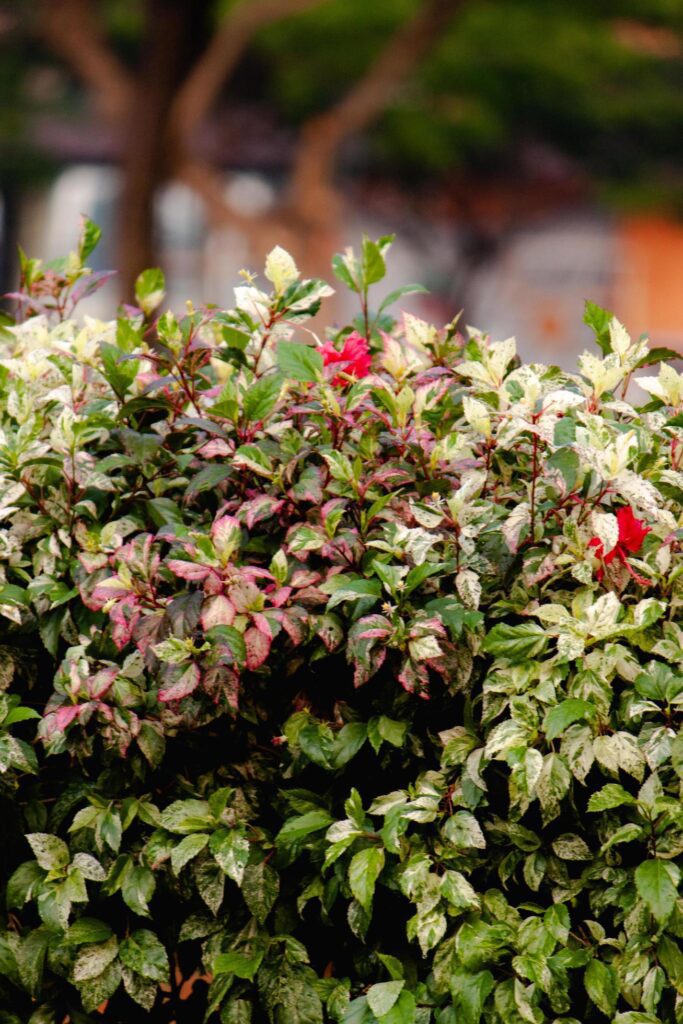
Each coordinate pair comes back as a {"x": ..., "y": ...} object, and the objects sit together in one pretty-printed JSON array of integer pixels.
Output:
[{"x": 340, "y": 676}]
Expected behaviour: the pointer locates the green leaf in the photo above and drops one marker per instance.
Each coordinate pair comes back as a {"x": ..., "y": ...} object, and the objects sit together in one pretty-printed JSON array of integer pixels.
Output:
[
  {"x": 241, "y": 964},
  {"x": 23, "y": 883},
  {"x": 188, "y": 848},
  {"x": 635, "y": 1017},
  {"x": 143, "y": 953},
  {"x": 31, "y": 959},
  {"x": 599, "y": 320},
  {"x": 87, "y": 929},
  {"x": 254, "y": 458},
  {"x": 388, "y": 730},
  {"x": 51, "y": 852},
  {"x": 186, "y": 816},
  {"x": 398, "y": 293},
  {"x": 207, "y": 479},
  {"x": 564, "y": 432},
  {"x": 120, "y": 372},
  {"x": 373, "y": 265},
  {"x": 317, "y": 743},
  {"x": 152, "y": 743},
  {"x": 299, "y": 362},
  {"x": 45, "y": 1014},
  {"x": 95, "y": 991},
  {"x": 342, "y": 271},
  {"x": 473, "y": 991},
  {"x": 141, "y": 990},
  {"x": 565, "y": 714},
  {"x": 611, "y": 795},
  {"x": 626, "y": 834},
  {"x": 92, "y": 960},
  {"x": 237, "y": 1011},
  {"x": 150, "y": 288},
  {"x": 420, "y": 573},
  {"x": 19, "y": 714},
  {"x": 557, "y": 923},
  {"x": 89, "y": 237},
  {"x": 658, "y": 355},
  {"x": 260, "y": 888},
  {"x": 110, "y": 829},
  {"x": 462, "y": 829},
  {"x": 296, "y": 829},
  {"x": 382, "y": 997},
  {"x": 358, "y": 1012},
  {"x": 364, "y": 870},
  {"x": 394, "y": 966},
  {"x": 260, "y": 398},
  {"x": 657, "y": 884},
  {"x": 351, "y": 590},
  {"x": 210, "y": 881},
  {"x": 138, "y": 888},
  {"x": 12, "y": 594},
  {"x": 602, "y": 986},
  {"x": 566, "y": 462},
  {"x": 348, "y": 742},
  {"x": 516, "y": 643},
  {"x": 230, "y": 848}
]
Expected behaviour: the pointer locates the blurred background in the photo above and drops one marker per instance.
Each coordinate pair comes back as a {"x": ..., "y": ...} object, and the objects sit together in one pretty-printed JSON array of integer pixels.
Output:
[{"x": 527, "y": 153}]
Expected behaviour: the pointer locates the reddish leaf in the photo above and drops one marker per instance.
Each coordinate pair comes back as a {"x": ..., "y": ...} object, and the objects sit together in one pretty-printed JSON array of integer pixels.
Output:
[
  {"x": 258, "y": 647},
  {"x": 57, "y": 721},
  {"x": 124, "y": 616},
  {"x": 183, "y": 687},
  {"x": 188, "y": 570},
  {"x": 217, "y": 611}
]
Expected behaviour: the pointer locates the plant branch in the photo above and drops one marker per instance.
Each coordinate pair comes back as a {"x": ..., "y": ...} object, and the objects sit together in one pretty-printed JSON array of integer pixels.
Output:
[
  {"x": 72, "y": 30},
  {"x": 323, "y": 136},
  {"x": 202, "y": 86}
]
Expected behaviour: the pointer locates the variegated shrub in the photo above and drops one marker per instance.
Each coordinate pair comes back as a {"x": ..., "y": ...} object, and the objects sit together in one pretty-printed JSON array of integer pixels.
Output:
[{"x": 341, "y": 672}]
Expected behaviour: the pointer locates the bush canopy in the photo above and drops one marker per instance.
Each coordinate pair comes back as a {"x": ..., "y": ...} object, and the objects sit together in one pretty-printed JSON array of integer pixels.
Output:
[{"x": 341, "y": 679}]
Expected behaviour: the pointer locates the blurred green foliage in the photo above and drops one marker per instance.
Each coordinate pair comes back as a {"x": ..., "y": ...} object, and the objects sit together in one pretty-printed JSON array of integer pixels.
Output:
[{"x": 600, "y": 83}]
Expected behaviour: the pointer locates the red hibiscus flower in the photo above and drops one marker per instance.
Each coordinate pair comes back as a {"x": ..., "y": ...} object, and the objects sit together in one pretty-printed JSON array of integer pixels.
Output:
[
  {"x": 632, "y": 533},
  {"x": 353, "y": 359}
]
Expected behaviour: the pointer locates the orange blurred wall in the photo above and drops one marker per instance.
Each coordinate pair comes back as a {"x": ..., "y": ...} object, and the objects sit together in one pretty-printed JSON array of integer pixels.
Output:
[{"x": 649, "y": 285}]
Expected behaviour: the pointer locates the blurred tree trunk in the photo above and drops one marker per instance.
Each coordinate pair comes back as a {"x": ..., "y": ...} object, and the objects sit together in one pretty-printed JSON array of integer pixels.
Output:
[
  {"x": 10, "y": 197},
  {"x": 158, "y": 108},
  {"x": 174, "y": 33}
]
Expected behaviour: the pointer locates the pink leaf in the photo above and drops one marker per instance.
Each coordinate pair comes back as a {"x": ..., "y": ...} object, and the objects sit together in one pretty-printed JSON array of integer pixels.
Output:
[
  {"x": 183, "y": 687},
  {"x": 305, "y": 578},
  {"x": 92, "y": 562},
  {"x": 188, "y": 570},
  {"x": 98, "y": 684},
  {"x": 262, "y": 507},
  {"x": 225, "y": 534},
  {"x": 365, "y": 670},
  {"x": 295, "y": 623},
  {"x": 258, "y": 647},
  {"x": 221, "y": 681},
  {"x": 124, "y": 616},
  {"x": 263, "y": 625},
  {"x": 212, "y": 449},
  {"x": 245, "y": 596},
  {"x": 280, "y": 597},
  {"x": 414, "y": 678},
  {"x": 112, "y": 589},
  {"x": 217, "y": 611},
  {"x": 57, "y": 721}
]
